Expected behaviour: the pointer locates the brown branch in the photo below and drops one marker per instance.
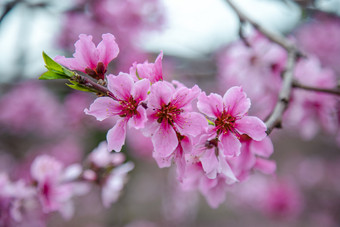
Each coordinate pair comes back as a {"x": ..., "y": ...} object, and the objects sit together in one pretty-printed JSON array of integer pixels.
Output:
[
  {"x": 275, "y": 118},
  {"x": 297, "y": 84},
  {"x": 276, "y": 38},
  {"x": 87, "y": 82}
]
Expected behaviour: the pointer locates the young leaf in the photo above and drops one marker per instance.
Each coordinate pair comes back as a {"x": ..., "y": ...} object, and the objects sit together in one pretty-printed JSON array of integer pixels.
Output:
[
  {"x": 55, "y": 70},
  {"x": 51, "y": 76},
  {"x": 79, "y": 87}
]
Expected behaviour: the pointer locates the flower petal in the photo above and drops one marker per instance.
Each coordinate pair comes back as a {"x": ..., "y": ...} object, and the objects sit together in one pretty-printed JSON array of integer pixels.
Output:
[
  {"x": 86, "y": 51},
  {"x": 191, "y": 123},
  {"x": 116, "y": 135},
  {"x": 120, "y": 86},
  {"x": 107, "y": 49},
  {"x": 265, "y": 166},
  {"x": 236, "y": 101},
  {"x": 252, "y": 126},
  {"x": 184, "y": 96},
  {"x": 263, "y": 148},
  {"x": 138, "y": 120},
  {"x": 165, "y": 140},
  {"x": 160, "y": 94},
  {"x": 209, "y": 163},
  {"x": 211, "y": 105},
  {"x": 231, "y": 146},
  {"x": 140, "y": 90},
  {"x": 103, "y": 108}
]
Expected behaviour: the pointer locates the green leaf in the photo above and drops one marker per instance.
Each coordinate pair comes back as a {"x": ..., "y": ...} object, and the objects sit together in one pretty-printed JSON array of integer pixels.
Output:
[
  {"x": 55, "y": 70},
  {"x": 49, "y": 75},
  {"x": 79, "y": 87}
]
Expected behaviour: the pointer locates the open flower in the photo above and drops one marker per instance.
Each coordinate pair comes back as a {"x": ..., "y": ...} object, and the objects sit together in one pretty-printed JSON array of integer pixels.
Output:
[
  {"x": 126, "y": 105},
  {"x": 230, "y": 119},
  {"x": 170, "y": 117},
  {"x": 91, "y": 59}
]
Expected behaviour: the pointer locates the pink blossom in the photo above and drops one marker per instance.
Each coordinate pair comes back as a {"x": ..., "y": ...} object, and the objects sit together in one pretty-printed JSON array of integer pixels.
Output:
[
  {"x": 101, "y": 157},
  {"x": 41, "y": 108},
  {"x": 320, "y": 37},
  {"x": 229, "y": 115},
  {"x": 170, "y": 117},
  {"x": 313, "y": 110},
  {"x": 91, "y": 59},
  {"x": 126, "y": 106},
  {"x": 54, "y": 193},
  {"x": 114, "y": 183},
  {"x": 151, "y": 71},
  {"x": 256, "y": 68},
  {"x": 253, "y": 155}
]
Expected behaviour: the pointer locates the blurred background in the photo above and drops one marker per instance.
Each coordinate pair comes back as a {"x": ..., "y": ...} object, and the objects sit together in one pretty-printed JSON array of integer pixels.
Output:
[{"x": 196, "y": 37}]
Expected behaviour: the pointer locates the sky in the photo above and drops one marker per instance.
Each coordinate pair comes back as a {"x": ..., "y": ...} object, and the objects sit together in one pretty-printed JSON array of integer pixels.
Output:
[{"x": 194, "y": 28}]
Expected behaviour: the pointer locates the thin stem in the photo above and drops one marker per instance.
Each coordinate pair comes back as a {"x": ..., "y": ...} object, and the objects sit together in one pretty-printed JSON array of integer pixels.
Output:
[
  {"x": 317, "y": 89},
  {"x": 87, "y": 82},
  {"x": 275, "y": 118}
]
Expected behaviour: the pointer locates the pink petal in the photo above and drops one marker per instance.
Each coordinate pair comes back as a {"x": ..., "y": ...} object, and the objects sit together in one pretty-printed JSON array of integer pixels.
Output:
[
  {"x": 107, "y": 49},
  {"x": 165, "y": 140},
  {"x": 160, "y": 94},
  {"x": 158, "y": 68},
  {"x": 138, "y": 120},
  {"x": 209, "y": 163},
  {"x": 236, "y": 101},
  {"x": 86, "y": 51},
  {"x": 214, "y": 190},
  {"x": 211, "y": 105},
  {"x": 140, "y": 90},
  {"x": 184, "y": 96},
  {"x": 225, "y": 169},
  {"x": 120, "y": 86},
  {"x": 191, "y": 123},
  {"x": 162, "y": 162},
  {"x": 231, "y": 146},
  {"x": 103, "y": 108},
  {"x": 71, "y": 63},
  {"x": 265, "y": 166},
  {"x": 263, "y": 148},
  {"x": 252, "y": 126},
  {"x": 116, "y": 135}
]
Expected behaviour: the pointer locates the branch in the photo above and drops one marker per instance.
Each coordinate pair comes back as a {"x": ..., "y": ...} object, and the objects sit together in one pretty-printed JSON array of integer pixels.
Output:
[
  {"x": 275, "y": 118},
  {"x": 276, "y": 38},
  {"x": 87, "y": 82},
  {"x": 297, "y": 84}
]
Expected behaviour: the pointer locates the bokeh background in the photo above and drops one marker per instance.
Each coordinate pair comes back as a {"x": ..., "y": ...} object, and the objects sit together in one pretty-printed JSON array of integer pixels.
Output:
[{"x": 39, "y": 117}]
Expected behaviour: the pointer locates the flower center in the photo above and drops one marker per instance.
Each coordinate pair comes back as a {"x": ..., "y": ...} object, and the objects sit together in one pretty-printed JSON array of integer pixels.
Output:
[
  {"x": 226, "y": 123},
  {"x": 129, "y": 107},
  {"x": 168, "y": 113}
]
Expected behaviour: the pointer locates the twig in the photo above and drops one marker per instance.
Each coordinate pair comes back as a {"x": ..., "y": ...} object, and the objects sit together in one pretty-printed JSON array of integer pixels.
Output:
[
  {"x": 280, "y": 40},
  {"x": 297, "y": 84},
  {"x": 275, "y": 118},
  {"x": 87, "y": 82}
]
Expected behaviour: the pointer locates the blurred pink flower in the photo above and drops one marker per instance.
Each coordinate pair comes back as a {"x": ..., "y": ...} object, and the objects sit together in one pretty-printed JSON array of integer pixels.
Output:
[
  {"x": 313, "y": 110},
  {"x": 256, "y": 68},
  {"x": 29, "y": 107}
]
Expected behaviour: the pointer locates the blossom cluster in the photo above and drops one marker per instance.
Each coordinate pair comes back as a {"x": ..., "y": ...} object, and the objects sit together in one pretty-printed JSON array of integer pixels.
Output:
[
  {"x": 213, "y": 143},
  {"x": 51, "y": 186},
  {"x": 265, "y": 62}
]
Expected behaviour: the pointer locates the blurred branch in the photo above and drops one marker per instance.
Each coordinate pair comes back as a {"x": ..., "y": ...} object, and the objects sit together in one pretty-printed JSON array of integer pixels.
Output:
[
  {"x": 275, "y": 118},
  {"x": 297, "y": 84},
  {"x": 8, "y": 7}
]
